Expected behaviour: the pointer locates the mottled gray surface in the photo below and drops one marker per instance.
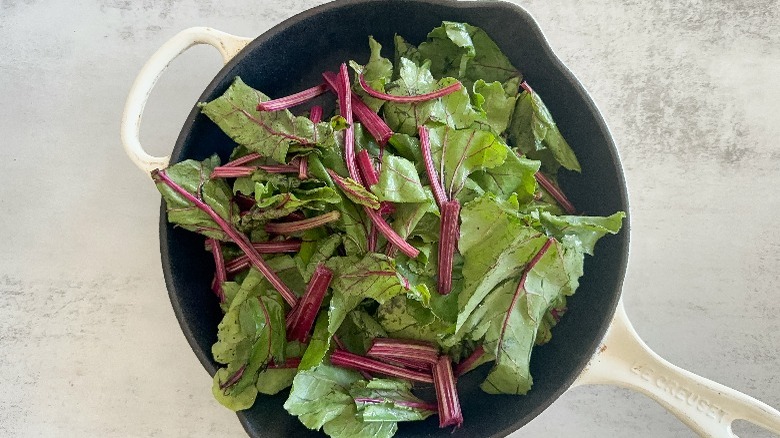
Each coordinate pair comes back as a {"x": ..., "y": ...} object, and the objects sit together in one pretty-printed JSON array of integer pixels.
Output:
[{"x": 89, "y": 345}]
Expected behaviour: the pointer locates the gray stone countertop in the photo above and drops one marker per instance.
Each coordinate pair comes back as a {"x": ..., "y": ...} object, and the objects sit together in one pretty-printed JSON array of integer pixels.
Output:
[{"x": 89, "y": 345}]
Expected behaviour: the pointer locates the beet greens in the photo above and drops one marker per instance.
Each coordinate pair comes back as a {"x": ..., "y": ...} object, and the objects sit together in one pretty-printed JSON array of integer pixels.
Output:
[{"x": 411, "y": 234}]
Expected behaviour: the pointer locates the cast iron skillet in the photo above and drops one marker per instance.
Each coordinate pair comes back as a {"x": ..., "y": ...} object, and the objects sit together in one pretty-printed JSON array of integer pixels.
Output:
[{"x": 291, "y": 57}]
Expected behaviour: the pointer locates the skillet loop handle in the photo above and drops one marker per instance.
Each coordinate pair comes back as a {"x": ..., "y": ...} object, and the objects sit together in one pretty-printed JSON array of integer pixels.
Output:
[
  {"x": 228, "y": 46},
  {"x": 707, "y": 407}
]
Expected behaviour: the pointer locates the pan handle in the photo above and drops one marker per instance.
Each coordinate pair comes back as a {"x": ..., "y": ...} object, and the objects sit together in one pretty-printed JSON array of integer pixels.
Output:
[
  {"x": 227, "y": 44},
  {"x": 708, "y": 408}
]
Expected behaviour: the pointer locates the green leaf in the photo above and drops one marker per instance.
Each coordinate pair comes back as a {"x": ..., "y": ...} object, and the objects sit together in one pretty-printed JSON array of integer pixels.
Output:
[
  {"x": 495, "y": 243},
  {"x": 269, "y": 133},
  {"x": 466, "y": 52},
  {"x": 320, "y": 394},
  {"x": 273, "y": 380},
  {"x": 408, "y": 216},
  {"x": 235, "y": 399},
  {"x": 408, "y": 147},
  {"x": 274, "y": 205},
  {"x": 408, "y": 319},
  {"x": 389, "y": 401},
  {"x": 588, "y": 229},
  {"x": 349, "y": 425},
  {"x": 364, "y": 140},
  {"x": 534, "y": 132},
  {"x": 377, "y": 72},
  {"x": 399, "y": 182},
  {"x": 513, "y": 315},
  {"x": 359, "y": 330},
  {"x": 514, "y": 177},
  {"x": 355, "y": 192},
  {"x": 193, "y": 176},
  {"x": 413, "y": 80},
  {"x": 403, "y": 49},
  {"x": 352, "y": 220},
  {"x": 374, "y": 276},
  {"x": 464, "y": 151},
  {"x": 250, "y": 335},
  {"x": 317, "y": 251},
  {"x": 319, "y": 344},
  {"x": 455, "y": 110},
  {"x": 496, "y": 103}
]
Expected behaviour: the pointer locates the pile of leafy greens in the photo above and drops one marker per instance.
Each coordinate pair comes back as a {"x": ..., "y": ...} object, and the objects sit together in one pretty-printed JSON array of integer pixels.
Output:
[{"x": 414, "y": 235}]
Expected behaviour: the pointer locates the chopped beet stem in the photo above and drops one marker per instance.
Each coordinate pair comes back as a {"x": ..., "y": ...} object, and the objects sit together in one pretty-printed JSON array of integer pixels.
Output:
[
  {"x": 409, "y": 99},
  {"x": 374, "y": 124},
  {"x": 280, "y": 168},
  {"x": 390, "y": 234},
  {"x": 341, "y": 346},
  {"x": 301, "y": 319},
  {"x": 231, "y": 171},
  {"x": 373, "y": 238},
  {"x": 293, "y": 99},
  {"x": 555, "y": 192},
  {"x": 346, "y": 359},
  {"x": 160, "y": 176},
  {"x": 302, "y": 225},
  {"x": 345, "y": 108},
  {"x": 448, "y": 241},
  {"x": 303, "y": 168},
  {"x": 315, "y": 114},
  {"x": 366, "y": 168},
  {"x": 248, "y": 158},
  {"x": 414, "y": 353},
  {"x": 242, "y": 262},
  {"x": 446, "y": 394},
  {"x": 430, "y": 169},
  {"x": 405, "y": 363},
  {"x": 526, "y": 87},
  {"x": 220, "y": 273},
  {"x": 468, "y": 363}
]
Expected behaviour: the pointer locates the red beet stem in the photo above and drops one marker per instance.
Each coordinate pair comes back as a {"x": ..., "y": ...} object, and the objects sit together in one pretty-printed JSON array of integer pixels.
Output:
[
  {"x": 446, "y": 394},
  {"x": 231, "y": 171},
  {"x": 448, "y": 240},
  {"x": 345, "y": 108},
  {"x": 348, "y": 360},
  {"x": 293, "y": 99},
  {"x": 302, "y": 225},
  {"x": 248, "y": 158},
  {"x": 409, "y": 99},
  {"x": 303, "y": 168},
  {"x": 301, "y": 320},
  {"x": 315, "y": 114},
  {"x": 280, "y": 168},
  {"x": 430, "y": 169},
  {"x": 466, "y": 364},
  {"x": 390, "y": 234},
  {"x": 366, "y": 168},
  {"x": 555, "y": 192},
  {"x": 220, "y": 273},
  {"x": 240, "y": 263},
  {"x": 415, "y": 353},
  {"x": 370, "y": 120}
]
